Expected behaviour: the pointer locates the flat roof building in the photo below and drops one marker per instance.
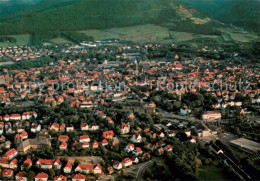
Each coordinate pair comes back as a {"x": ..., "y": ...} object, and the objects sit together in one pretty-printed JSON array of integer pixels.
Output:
[{"x": 246, "y": 145}]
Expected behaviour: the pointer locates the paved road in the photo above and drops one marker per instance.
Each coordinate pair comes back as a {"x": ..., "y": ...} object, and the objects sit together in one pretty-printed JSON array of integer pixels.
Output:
[
  {"x": 182, "y": 117},
  {"x": 141, "y": 170}
]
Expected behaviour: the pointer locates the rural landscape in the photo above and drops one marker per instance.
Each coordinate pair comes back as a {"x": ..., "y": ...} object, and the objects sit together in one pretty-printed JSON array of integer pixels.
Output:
[{"x": 129, "y": 90}]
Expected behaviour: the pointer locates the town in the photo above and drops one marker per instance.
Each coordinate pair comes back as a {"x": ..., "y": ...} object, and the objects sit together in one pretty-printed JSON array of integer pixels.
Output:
[{"x": 115, "y": 110}]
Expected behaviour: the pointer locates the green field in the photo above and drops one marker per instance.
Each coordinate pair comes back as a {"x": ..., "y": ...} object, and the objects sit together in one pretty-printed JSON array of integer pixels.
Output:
[
  {"x": 211, "y": 172},
  {"x": 143, "y": 34},
  {"x": 20, "y": 40},
  {"x": 243, "y": 37},
  {"x": 139, "y": 34},
  {"x": 60, "y": 40}
]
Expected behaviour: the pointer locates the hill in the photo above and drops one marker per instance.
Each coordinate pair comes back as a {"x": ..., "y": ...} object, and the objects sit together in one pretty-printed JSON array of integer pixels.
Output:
[
  {"x": 244, "y": 13},
  {"x": 72, "y": 15},
  {"x": 11, "y": 6}
]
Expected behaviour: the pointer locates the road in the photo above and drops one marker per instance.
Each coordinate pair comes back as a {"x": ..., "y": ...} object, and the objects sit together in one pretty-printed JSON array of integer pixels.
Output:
[
  {"x": 182, "y": 117},
  {"x": 141, "y": 170}
]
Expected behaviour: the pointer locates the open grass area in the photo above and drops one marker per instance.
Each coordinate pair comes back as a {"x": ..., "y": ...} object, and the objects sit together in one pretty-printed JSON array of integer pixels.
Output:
[
  {"x": 139, "y": 34},
  {"x": 60, "y": 40},
  {"x": 211, "y": 172},
  {"x": 181, "y": 36},
  {"x": 243, "y": 37},
  {"x": 24, "y": 39}
]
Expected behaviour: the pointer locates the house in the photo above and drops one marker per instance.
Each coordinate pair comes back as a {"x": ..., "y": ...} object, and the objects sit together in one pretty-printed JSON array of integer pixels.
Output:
[
  {"x": 41, "y": 177},
  {"x": 149, "y": 146},
  {"x": 171, "y": 133},
  {"x": 5, "y": 163},
  {"x": 205, "y": 133},
  {"x": 62, "y": 127},
  {"x": 127, "y": 162},
  {"x": 8, "y": 173},
  {"x": 110, "y": 170},
  {"x": 55, "y": 127},
  {"x": 87, "y": 168},
  {"x": 187, "y": 132},
  {"x": 104, "y": 142},
  {"x": 13, "y": 164},
  {"x": 24, "y": 135},
  {"x": 57, "y": 164},
  {"x": 125, "y": 128},
  {"x": 79, "y": 177},
  {"x": 63, "y": 138},
  {"x": 130, "y": 147},
  {"x": 68, "y": 167},
  {"x": 97, "y": 169},
  {"x": 136, "y": 138},
  {"x": 146, "y": 155},
  {"x": 108, "y": 134},
  {"x": 10, "y": 154},
  {"x": 185, "y": 110},
  {"x": 84, "y": 138},
  {"x": 35, "y": 127},
  {"x": 85, "y": 145},
  {"x": 160, "y": 151},
  {"x": 211, "y": 116},
  {"x": 131, "y": 116},
  {"x": 115, "y": 141},
  {"x": 216, "y": 149},
  {"x": 193, "y": 139},
  {"x": 60, "y": 178},
  {"x": 27, "y": 163},
  {"x": 45, "y": 163},
  {"x": 70, "y": 128},
  {"x": 168, "y": 148},
  {"x": 84, "y": 127},
  {"x": 21, "y": 176},
  {"x": 63, "y": 146},
  {"x": 117, "y": 165},
  {"x": 95, "y": 144},
  {"x": 135, "y": 159},
  {"x": 138, "y": 151},
  {"x": 162, "y": 135}
]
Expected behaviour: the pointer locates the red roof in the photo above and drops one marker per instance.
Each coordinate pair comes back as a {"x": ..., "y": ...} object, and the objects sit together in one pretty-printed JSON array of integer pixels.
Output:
[
  {"x": 28, "y": 161},
  {"x": 61, "y": 177},
  {"x": 79, "y": 176},
  {"x": 21, "y": 174},
  {"x": 10, "y": 153},
  {"x": 69, "y": 165},
  {"x": 41, "y": 175},
  {"x": 63, "y": 137},
  {"x": 7, "y": 172},
  {"x": 84, "y": 137},
  {"x": 104, "y": 141},
  {"x": 126, "y": 160},
  {"x": 45, "y": 161},
  {"x": 138, "y": 150},
  {"x": 108, "y": 134}
]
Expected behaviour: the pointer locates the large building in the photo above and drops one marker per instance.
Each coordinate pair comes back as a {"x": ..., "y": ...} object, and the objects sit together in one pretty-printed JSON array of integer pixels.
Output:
[
  {"x": 43, "y": 138},
  {"x": 211, "y": 116},
  {"x": 246, "y": 145}
]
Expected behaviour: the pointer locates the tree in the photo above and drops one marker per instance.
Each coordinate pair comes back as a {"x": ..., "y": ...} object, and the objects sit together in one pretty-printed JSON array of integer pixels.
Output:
[{"x": 30, "y": 176}]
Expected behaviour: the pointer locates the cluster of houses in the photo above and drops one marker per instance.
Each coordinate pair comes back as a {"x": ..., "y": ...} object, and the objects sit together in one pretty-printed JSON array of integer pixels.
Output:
[
  {"x": 8, "y": 162},
  {"x": 79, "y": 83},
  {"x": 18, "y": 53}
]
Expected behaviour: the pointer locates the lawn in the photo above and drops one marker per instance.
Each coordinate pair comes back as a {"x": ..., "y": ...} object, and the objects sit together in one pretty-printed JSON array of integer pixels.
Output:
[
  {"x": 24, "y": 39},
  {"x": 243, "y": 37},
  {"x": 138, "y": 34},
  {"x": 60, "y": 40},
  {"x": 211, "y": 172}
]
